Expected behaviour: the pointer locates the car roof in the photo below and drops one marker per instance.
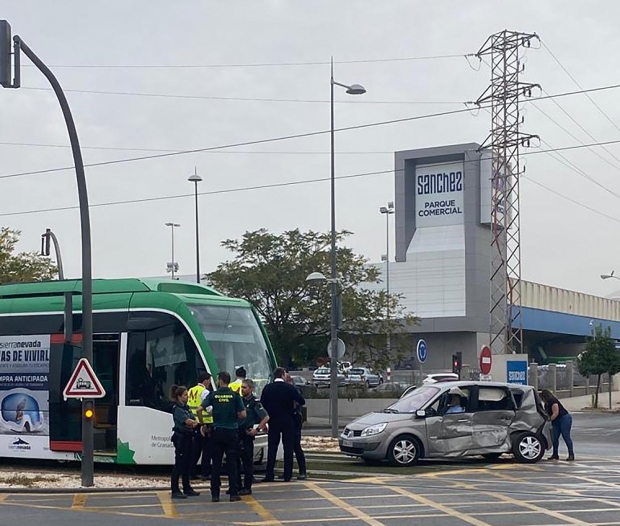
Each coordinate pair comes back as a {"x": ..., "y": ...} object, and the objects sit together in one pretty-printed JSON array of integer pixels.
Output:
[{"x": 461, "y": 383}]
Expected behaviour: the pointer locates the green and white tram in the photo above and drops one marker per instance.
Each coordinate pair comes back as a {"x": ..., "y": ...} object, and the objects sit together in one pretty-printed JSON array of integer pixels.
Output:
[{"x": 147, "y": 335}]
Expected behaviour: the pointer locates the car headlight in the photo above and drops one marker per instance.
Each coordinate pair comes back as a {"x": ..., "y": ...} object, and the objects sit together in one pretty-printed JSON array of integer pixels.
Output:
[{"x": 373, "y": 430}]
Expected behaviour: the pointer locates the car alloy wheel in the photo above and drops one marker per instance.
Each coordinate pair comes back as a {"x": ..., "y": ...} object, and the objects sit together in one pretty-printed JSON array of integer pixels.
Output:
[
  {"x": 403, "y": 451},
  {"x": 528, "y": 448}
]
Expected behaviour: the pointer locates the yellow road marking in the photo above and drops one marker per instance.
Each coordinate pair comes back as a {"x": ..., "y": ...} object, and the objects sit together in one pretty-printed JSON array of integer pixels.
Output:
[
  {"x": 78, "y": 501},
  {"x": 260, "y": 510},
  {"x": 543, "y": 511},
  {"x": 343, "y": 505},
  {"x": 440, "y": 507},
  {"x": 170, "y": 510}
]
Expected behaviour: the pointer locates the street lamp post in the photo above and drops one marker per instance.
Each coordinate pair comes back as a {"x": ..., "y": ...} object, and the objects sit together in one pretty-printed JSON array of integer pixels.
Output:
[
  {"x": 353, "y": 89},
  {"x": 387, "y": 210},
  {"x": 609, "y": 276},
  {"x": 172, "y": 267},
  {"x": 195, "y": 178}
]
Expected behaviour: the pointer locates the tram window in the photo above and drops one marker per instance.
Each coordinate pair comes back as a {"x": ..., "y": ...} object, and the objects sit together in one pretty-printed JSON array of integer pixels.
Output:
[{"x": 157, "y": 358}]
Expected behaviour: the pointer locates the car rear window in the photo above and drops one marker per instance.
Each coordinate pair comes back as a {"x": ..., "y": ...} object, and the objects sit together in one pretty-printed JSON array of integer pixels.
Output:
[
  {"x": 357, "y": 371},
  {"x": 493, "y": 399},
  {"x": 322, "y": 371}
]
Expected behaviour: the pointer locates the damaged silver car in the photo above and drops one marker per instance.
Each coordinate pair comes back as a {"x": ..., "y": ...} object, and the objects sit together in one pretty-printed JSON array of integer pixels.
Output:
[{"x": 453, "y": 420}]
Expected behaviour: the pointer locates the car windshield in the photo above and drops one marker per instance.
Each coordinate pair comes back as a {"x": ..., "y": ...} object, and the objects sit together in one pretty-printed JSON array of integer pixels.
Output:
[
  {"x": 356, "y": 371},
  {"x": 414, "y": 401},
  {"x": 322, "y": 371},
  {"x": 236, "y": 340}
]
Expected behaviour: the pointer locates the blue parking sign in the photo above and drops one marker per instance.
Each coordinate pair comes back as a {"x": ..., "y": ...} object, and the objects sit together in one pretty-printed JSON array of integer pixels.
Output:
[
  {"x": 516, "y": 372},
  {"x": 421, "y": 351}
]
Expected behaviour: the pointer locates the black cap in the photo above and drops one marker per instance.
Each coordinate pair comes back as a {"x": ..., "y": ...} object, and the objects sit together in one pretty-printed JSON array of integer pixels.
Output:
[{"x": 241, "y": 372}]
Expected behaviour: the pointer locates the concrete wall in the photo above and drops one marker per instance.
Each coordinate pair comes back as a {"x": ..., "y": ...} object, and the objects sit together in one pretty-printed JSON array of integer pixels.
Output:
[{"x": 347, "y": 409}]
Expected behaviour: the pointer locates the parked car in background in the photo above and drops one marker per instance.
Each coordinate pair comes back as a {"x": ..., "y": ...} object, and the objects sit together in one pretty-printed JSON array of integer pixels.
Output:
[
  {"x": 322, "y": 377},
  {"x": 393, "y": 388},
  {"x": 363, "y": 375},
  {"x": 453, "y": 420},
  {"x": 300, "y": 381},
  {"x": 440, "y": 377}
]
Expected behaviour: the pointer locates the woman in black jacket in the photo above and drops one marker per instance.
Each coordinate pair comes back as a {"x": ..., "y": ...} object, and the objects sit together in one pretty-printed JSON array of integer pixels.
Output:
[{"x": 184, "y": 423}]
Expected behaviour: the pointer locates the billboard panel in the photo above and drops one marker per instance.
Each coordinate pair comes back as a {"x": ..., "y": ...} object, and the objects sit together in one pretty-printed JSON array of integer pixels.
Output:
[{"x": 439, "y": 194}]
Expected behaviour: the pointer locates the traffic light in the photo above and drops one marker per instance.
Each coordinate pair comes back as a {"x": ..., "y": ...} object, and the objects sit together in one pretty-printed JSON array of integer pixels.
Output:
[
  {"x": 89, "y": 410},
  {"x": 5, "y": 54},
  {"x": 457, "y": 363}
]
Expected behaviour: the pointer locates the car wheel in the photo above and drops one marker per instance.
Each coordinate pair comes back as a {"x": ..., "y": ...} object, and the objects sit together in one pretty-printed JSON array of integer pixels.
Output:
[
  {"x": 367, "y": 384},
  {"x": 404, "y": 451},
  {"x": 491, "y": 456},
  {"x": 528, "y": 448}
]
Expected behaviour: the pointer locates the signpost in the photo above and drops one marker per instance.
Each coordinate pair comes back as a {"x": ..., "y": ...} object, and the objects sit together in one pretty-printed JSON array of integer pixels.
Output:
[
  {"x": 422, "y": 353},
  {"x": 340, "y": 350},
  {"x": 485, "y": 360}
]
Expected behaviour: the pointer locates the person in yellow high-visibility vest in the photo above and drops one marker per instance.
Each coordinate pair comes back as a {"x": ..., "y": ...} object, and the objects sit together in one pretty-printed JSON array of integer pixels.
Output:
[
  {"x": 201, "y": 439},
  {"x": 235, "y": 386}
]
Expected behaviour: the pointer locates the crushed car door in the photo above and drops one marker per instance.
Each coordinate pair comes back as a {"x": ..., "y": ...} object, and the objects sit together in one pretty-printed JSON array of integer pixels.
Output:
[
  {"x": 493, "y": 415},
  {"x": 450, "y": 434}
]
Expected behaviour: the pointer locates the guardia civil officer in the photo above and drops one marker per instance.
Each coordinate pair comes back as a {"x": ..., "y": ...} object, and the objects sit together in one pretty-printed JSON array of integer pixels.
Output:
[
  {"x": 201, "y": 444},
  {"x": 240, "y": 374},
  {"x": 227, "y": 410},
  {"x": 256, "y": 416},
  {"x": 278, "y": 399},
  {"x": 184, "y": 424}
]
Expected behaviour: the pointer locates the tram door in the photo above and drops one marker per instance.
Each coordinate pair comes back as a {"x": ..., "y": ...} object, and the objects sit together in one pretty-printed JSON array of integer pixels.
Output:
[{"x": 66, "y": 415}]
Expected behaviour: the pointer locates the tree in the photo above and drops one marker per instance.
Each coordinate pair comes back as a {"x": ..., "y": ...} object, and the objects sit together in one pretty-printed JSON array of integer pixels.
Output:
[
  {"x": 599, "y": 357},
  {"x": 270, "y": 271},
  {"x": 23, "y": 266}
]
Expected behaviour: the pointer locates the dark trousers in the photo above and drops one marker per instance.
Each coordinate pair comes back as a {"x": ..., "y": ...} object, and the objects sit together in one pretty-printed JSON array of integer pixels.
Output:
[
  {"x": 224, "y": 441},
  {"x": 562, "y": 427},
  {"x": 299, "y": 453},
  {"x": 201, "y": 447},
  {"x": 182, "y": 461},
  {"x": 246, "y": 458},
  {"x": 285, "y": 430}
]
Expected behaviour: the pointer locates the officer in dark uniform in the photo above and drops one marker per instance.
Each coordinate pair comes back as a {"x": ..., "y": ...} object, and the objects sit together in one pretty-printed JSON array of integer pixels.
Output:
[
  {"x": 256, "y": 416},
  {"x": 279, "y": 400},
  {"x": 227, "y": 410}
]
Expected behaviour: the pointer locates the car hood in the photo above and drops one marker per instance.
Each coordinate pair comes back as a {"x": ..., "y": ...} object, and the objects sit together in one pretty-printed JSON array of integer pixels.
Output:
[{"x": 378, "y": 418}]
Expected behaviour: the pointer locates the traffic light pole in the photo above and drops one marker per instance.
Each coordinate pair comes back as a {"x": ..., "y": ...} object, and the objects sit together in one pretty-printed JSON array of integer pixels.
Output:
[{"x": 87, "y": 291}]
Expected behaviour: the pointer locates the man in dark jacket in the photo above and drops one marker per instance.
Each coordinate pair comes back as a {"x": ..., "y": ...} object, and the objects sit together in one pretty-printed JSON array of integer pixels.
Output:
[{"x": 278, "y": 399}]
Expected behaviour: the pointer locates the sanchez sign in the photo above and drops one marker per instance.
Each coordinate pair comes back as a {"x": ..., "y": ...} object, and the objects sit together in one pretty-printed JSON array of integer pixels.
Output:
[{"x": 439, "y": 195}]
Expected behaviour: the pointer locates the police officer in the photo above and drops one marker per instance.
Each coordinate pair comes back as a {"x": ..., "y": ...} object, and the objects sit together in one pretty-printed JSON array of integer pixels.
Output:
[
  {"x": 235, "y": 386},
  {"x": 202, "y": 437},
  {"x": 184, "y": 423},
  {"x": 256, "y": 416},
  {"x": 227, "y": 410}
]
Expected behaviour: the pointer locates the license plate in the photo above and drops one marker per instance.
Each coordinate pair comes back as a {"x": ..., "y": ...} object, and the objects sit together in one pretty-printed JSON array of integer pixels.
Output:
[{"x": 347, "y": 443}]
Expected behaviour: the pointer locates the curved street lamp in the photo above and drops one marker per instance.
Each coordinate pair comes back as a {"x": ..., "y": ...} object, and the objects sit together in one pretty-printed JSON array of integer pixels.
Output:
[{"x": 352, "y": 89}]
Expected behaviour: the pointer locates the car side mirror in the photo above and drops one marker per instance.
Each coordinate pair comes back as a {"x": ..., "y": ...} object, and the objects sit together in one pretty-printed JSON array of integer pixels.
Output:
[{"x": 420, "y": 413}]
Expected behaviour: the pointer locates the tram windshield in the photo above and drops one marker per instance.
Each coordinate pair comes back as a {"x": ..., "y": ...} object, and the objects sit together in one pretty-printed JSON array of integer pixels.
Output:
[{"x": 236, "y": 340}]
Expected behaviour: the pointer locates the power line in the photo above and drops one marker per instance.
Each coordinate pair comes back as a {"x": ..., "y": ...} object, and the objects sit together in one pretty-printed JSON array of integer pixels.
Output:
[
  {"x": 308, "y": 134},
  {"x": 272, "y": 185},
  {"x": 579, "y": 86},
  {"x": 577, "y": 138},
  {"x": 255, "y": 65},
  {"x": 245, "y": 143},
  {"x": 569, "y": 199},
  {"x": 238, "y": 99},
  {"x": 212, "y": 192}
]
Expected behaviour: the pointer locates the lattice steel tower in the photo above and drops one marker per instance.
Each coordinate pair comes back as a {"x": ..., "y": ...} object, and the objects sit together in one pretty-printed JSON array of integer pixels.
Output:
[{"x": 504, "y": 141}]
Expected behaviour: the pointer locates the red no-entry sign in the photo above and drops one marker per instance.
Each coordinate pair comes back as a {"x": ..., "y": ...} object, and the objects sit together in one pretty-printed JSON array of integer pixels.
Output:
[{"x": 485, "y": 360}]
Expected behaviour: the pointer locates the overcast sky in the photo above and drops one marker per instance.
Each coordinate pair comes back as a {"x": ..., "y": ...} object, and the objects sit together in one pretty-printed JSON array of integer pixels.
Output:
[{"x": 202, "y": 57}]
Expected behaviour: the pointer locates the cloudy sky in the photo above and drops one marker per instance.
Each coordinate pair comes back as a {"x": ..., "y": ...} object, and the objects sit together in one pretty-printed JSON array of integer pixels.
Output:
[{"x": 152, "y": 77}]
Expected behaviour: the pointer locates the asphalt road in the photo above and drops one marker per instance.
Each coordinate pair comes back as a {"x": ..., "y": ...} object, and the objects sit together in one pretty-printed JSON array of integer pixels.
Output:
[{"x": 347, "y": 492}]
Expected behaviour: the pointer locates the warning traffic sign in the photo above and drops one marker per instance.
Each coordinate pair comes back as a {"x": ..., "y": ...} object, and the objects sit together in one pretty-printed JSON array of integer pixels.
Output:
[{"x": 84, "y": 382}]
